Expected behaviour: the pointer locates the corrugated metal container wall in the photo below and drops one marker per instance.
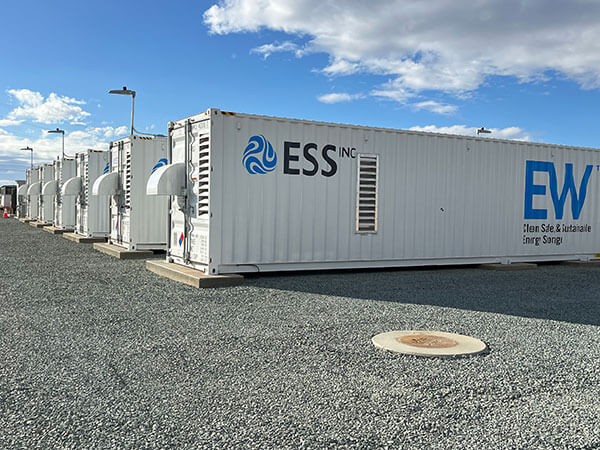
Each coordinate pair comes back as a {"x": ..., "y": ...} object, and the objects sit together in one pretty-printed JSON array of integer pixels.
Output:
[
  {"x": 33, "y": 204},
  {"x": 438, "y": 199},
  {"x": 21, "y": 199},
  {"x": 138, "y": 221},
  {"x": 92, "y": 211},
  {"x": 46, "y": 201},
  {"x": 64, "y": 207}
]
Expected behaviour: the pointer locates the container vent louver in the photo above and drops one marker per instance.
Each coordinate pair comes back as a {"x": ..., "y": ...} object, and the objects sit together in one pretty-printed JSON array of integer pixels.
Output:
[
  {"x": 86, "y": 178},
  {"x": 203, "y": 175},
  {"x": 128, "y": 178},
  {"x": 59, "y": 178},
  {"x": 366, "y": 196}
]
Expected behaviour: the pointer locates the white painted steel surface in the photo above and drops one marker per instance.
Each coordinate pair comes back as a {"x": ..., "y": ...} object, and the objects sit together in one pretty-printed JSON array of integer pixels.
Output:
[
  {"x": 21, "y": 210},
  {"x": 137, "y": 221},
  {"x": 49, "y": 188},
  {"x": 46, "y": 201},
  {"x": 5, "y": 201},
  {"x": 92, "y": 212},
  {"x": 64, "y": 207},
  {"x": 441, "y": 199},
  {"x": 33, "y": 203}
]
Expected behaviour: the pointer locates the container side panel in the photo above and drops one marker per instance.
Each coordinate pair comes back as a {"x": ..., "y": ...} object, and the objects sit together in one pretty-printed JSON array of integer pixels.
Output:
[
  {"x": 439, "y": 197},
  {"x": 144, "y": 216}
]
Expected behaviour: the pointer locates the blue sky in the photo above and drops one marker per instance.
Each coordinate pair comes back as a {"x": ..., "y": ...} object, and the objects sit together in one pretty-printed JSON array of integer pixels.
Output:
[{"x": 527, "y": 70}]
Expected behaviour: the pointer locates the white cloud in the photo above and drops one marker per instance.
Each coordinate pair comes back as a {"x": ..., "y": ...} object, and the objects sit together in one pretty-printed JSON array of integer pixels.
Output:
[
  {"x": 50, "y": 110},
  {"x": 337, "y": 97},
  {"x": 341, "y": 66},
  {"x": 9, "y": 122},
  {"x": 434, "y": 45},
  {"x": 268, "y": 49},
  {"x": 512, "y": 133},
  {"x": 435, "y": 107},
  {"x": 47, "y": 147}
]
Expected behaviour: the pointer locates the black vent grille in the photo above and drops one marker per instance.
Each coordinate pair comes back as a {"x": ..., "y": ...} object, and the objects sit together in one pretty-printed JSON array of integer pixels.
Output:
[
  {"x": 367, "y": 190},
  {"x": 203, "y": 175}
]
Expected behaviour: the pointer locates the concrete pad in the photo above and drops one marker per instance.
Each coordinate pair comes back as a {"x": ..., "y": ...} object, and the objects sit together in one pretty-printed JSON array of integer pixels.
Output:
[
  {"x": 38, "y": 224},
  {"x": 193, "y": 277},
  {"x": 592, "y": 263},
  {"x": 25, "y": 220},
  {"x": 122, "y": 253},
  {"x": 54, "y": 230},
  {"x": 511, "y": 266},
  {"x": 83, "y": 239},
  {"x": 429, "y": 343}
]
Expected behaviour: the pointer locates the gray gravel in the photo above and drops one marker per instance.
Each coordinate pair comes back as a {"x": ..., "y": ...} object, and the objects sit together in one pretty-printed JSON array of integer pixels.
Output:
[{"x": 98, "y": 352}]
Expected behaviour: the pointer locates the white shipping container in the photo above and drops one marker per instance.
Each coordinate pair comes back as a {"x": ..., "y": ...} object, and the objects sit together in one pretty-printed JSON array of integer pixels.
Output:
[
  {"x": 64, "y": 208},
  {"x": 46, "y": 198},
  {"x": 92, "y": 213},
  {"x": 21, "y": 211},
  {"x": 34, "y": 188},
  {"x": 137, "y": 220},
  {"x": 5, "y": 201},
  {"x": 252, "y": 193}
]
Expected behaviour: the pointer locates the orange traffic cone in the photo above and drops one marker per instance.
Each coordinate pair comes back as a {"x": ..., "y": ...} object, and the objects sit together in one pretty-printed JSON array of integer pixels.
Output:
[{"x": 5, "y": 216}]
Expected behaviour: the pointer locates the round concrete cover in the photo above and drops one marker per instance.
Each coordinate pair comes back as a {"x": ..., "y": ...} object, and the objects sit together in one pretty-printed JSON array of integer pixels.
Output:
[{"x": 428, "y": 343}]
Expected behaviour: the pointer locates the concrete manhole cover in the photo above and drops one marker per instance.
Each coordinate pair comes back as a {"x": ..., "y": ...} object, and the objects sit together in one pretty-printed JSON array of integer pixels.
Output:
[{"x": 428, "y": 343}]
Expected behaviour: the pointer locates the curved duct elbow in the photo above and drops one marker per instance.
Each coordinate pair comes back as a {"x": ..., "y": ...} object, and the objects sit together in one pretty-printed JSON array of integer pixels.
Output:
[
  {"x": 35, "y": 188},
  {"x": 72, "y": 186},
  {"x": 167, "y": 180},
  {"x": 107, "y": 184},
  {"x": 50, "y": 188}
]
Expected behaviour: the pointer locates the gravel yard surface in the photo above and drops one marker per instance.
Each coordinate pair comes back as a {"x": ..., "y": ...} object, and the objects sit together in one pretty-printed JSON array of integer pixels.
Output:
[{"x": 101, "y": 353}]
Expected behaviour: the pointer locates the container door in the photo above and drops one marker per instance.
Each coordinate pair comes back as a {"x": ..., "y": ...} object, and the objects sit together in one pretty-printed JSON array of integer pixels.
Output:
[
  {"x": 201, "y": 195},
  {"x": 58, "y": 172},
  {"x": 180, "y": 151},
  {"x": 115, "y": 235},
  {"x": 82, "y": 214},
  {"x": 125, "y": 207}
]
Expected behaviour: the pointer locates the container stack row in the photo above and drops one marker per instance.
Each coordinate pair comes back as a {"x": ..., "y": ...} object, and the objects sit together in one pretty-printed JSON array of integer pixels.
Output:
[{"x": 233, "y": 193}]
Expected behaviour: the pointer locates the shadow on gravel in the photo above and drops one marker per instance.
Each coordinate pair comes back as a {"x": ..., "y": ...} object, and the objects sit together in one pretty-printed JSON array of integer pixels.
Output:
[{"x": 554, "y": 292}]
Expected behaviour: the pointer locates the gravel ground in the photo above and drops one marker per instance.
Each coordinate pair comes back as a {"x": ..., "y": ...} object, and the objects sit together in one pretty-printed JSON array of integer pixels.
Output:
[{"x": 98, "y": 352}]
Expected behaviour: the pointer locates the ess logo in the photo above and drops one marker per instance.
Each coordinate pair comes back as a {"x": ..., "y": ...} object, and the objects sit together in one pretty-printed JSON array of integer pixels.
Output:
[
  {"x": 259, "y": 156},
  {"x": 161, "y": 162},
  {"x": 107, "y": 168}
]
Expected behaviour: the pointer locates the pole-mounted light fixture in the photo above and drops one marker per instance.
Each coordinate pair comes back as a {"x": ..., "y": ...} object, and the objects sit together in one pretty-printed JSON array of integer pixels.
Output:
[
  {"x": 63, "y": 139},
  {"x": 126, "y": 91},
  {"x": 29, "y": 149}
]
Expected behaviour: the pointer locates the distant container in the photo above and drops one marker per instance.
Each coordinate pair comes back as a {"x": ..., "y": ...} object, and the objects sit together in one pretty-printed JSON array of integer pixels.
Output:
[
  {"x": 91, "y": 212},
  {"x": 64, "y": 209},
  {"x": 8, "y": 198},
  {"x": 47, "y": 198},
  {"x": 21, "y": 210},
  {"x": 137, "y": 221},
  {"x": 252, "y": 193},
  {"x": 34, "y": 189}
]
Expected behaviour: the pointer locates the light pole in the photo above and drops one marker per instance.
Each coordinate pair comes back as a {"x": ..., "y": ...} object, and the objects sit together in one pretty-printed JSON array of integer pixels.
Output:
[
  {"x": 126, "y": 91},
  {"x": 30, "y": 150},
  {"x": 63, "y": 139}
]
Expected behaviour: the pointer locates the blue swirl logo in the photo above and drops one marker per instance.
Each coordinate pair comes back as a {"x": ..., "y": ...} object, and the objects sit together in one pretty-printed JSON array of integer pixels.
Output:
[
  {"x": 107, "y": 168},
  {"x": 161, "y": 162},
  {"x": 259, "y": 156}
]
